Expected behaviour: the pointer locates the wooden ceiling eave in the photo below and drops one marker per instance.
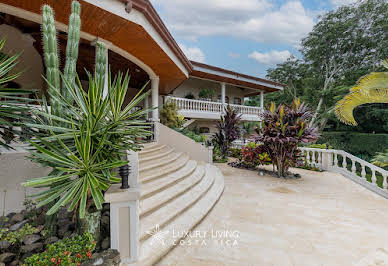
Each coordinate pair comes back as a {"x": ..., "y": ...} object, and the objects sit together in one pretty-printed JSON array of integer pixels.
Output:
[
  {"x": 235, "y": 82},
  {"x": 122, "y": 33}
]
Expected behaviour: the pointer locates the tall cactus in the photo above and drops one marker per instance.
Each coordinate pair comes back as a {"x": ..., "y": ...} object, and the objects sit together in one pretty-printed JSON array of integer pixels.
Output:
[
  {"x": 72, "y": 45},
  {"x": 51, "y": 51},
  {"x": 52, "y": 57},
  {"x": 101, "y": 62}
]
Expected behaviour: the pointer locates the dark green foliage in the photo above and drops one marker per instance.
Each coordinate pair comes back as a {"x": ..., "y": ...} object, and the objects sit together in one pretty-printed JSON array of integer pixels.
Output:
[
  {"x": 206, "y": 94},
  {"x": 70, "y": 251},
  {"x": 192, "y": 134},
  {"x": 346, "y": 44},
  {"x": 228, "y": 130},
  {"x": 362, "y": 145},
  {"x": 190, "y": 96}
]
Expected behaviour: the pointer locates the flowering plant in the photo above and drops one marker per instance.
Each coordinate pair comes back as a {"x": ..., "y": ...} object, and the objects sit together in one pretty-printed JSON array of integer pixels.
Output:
[{"x": 69, "y": 251}]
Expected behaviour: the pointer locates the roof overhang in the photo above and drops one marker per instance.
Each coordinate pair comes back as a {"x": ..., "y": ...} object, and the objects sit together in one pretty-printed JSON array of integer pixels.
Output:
[
  {"x": 140, "y": 33},
  {"x": 213, "y": 73}
]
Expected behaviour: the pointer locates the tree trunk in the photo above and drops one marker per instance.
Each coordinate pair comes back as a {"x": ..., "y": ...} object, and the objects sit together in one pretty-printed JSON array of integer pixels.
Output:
[{"x": 90, "y": 224}]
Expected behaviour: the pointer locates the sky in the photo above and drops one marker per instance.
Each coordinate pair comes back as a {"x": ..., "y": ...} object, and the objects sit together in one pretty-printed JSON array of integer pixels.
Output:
[{"x": 247, "y": 36}]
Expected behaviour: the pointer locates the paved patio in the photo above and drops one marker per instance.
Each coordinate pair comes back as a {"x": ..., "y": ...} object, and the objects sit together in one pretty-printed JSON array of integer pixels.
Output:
[{"x": 321, "y": 219}]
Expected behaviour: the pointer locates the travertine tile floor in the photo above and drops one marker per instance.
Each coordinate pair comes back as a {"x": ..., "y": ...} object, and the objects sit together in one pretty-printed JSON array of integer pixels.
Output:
[{"x": 320, "y": 219}]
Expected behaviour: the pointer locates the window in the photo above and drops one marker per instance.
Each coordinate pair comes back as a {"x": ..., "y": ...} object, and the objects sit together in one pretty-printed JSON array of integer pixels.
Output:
[
  {"x": 204, "y": 130},
  {"x": 237, "y": 101}
]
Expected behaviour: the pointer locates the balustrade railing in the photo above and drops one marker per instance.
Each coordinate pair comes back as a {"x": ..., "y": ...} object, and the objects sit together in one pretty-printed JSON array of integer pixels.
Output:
[
  {"x": 360, "y": 171},
  {"x": 210, "y": 107}
]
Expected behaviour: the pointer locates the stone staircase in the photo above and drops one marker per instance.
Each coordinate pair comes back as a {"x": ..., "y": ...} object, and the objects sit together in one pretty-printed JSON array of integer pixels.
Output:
[{"x": 177, "y": 193}]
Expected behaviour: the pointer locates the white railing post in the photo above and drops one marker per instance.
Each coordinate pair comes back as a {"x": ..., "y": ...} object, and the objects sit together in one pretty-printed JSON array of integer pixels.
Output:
[{"x": 124, "y": 214}]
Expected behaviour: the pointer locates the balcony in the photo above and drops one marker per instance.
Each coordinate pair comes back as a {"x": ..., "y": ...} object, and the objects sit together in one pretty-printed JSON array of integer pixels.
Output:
[{"x": 212, "y": 110}]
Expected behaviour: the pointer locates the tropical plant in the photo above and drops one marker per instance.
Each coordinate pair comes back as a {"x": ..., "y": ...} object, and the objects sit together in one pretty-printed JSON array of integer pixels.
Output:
[
  {"x": 372, "y": 88},
  {"x": 11, "y": 108},
  {"x": 228, "y": 130},
  {"x": 284, "y": 128},
  {"x": 169, "y": 115},
  {"x": 85, "y": 143},
  {"x": 254, "y": 155},
  {"x": 206, "y": 94},
  {"x": 69, "y": 251}
]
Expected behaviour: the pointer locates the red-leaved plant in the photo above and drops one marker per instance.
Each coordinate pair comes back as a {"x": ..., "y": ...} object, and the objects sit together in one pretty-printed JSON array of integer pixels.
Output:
[{"x": 284, "y": 128}]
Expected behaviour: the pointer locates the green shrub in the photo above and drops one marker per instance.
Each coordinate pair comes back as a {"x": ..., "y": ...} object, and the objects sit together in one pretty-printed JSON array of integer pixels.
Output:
[
  {"x": 16, "y": 237},
  {"x": 191, "y": 134},
  {"x": 363, "y": 145},
  {"x": 324, "y": 146},
  {"x": 69, "y": 251},
  {"x": 206, "y": 94},
  {"x": 169, "y": 116}
]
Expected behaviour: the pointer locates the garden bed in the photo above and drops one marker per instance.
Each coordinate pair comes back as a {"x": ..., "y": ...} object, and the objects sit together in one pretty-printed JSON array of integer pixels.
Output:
[{"x": 24, "y": 240}]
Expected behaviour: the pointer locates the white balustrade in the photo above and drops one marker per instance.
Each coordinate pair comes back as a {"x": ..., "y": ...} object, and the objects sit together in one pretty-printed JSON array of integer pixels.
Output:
[
  {"x": 211, "y": 107},
  {"x": 375, "y": 181}
]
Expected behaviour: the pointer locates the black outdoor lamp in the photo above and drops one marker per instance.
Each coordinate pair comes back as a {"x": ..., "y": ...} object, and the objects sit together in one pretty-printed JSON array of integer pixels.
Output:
[{"x": 124, "y": 174}]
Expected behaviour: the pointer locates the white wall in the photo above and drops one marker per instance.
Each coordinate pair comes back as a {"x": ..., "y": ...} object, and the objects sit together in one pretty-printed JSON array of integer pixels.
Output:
[
  {"x": 16, "y": 169},
  {"x": 30, "y": 62}
]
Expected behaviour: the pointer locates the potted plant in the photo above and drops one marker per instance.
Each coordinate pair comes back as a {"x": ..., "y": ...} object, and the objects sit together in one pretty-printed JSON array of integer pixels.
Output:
[{"x": 206, "y": 94}]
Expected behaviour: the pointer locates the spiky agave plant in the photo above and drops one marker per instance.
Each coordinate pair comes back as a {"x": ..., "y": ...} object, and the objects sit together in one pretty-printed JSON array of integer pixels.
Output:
[
  {"x": 372, "y": 88},
  {"x": 86, "y": 143}
]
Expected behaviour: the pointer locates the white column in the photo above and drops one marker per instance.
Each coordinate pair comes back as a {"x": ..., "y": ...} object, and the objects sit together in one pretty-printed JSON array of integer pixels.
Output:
[
  {"x": 155, "y": 98},
  {"x": 155, "y": 105},
  {"x": 223, "y": 95},
  {"x": 124, "y": 221},
  {"x": 262, "y": 101}
]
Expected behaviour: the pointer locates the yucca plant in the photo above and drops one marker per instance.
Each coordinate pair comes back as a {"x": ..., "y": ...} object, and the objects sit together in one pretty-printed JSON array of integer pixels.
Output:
[
  {"x": 12, "y": 105},
  {"x": 86, "y": 143},
  {"x": 372, "y": 88},
  {"x": 284, "y": 128}
]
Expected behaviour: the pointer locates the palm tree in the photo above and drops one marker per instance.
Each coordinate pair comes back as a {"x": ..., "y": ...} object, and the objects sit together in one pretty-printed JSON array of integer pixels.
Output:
[{"x": 372, "y": 88}]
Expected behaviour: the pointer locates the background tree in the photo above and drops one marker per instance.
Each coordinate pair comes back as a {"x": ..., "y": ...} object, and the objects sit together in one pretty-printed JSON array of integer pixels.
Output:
[{"x": 344, "y": 45}]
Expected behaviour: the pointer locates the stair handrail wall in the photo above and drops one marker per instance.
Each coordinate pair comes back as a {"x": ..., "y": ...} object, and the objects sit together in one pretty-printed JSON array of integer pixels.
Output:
[{"x": 364, "y": 173}]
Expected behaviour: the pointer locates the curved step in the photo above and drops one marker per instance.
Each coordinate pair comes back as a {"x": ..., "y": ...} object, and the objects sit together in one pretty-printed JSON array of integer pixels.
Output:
[
  {"x": 165, "y": 151},
  {"x": 167, "y": 213},
  {"x": 152, "y": 174},
  {"x": 143, "y": 166},
  {"x": 162, "y": 183},
  {"x": 152, "y": 251},
  {"x": 152, "y": 147},
  {"x": 162, "y": 198}
]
